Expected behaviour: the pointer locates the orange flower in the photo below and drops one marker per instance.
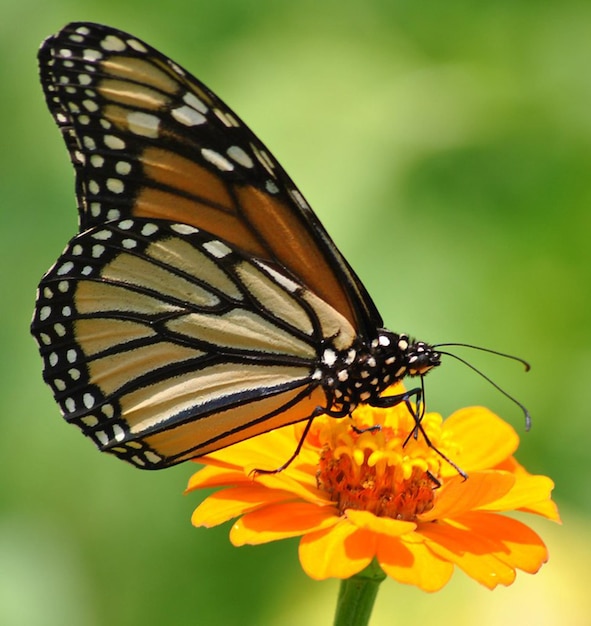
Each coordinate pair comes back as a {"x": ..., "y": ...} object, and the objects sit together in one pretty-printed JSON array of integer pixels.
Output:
[{"x": 353, "y": 497}]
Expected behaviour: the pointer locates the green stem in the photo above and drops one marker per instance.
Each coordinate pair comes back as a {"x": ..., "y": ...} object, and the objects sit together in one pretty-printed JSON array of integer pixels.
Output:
[{"x": 357, "y": 596}]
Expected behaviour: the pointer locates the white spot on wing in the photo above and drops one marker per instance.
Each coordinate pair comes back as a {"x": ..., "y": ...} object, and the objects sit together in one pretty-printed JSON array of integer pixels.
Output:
[
  {"x": 118, "y": 432},
  {"x": 184, "y": 229},
  {"x": 149, "y": 229},
  {"x": 143, "y": 124},
  {"x": 215, "y": 158},
  {"x": 279, "y": 278},
  {"x": 188, "y": 116},
  {"x": 271, "y": 187},
  {"x": 194, "y": 102},
  {"x": 67, "y": 267},
  {"x": 92, "y": 55},
  {"x": 236, "y": 153},
  {"x": 217, "y": 248},
  {"x": 123, "y": 168},
  {"x": 114, "y": 143},
  {"x": 115, "y": 185},
  {"x": 136, "y": 45},
  {"x": 112, "y": 43},
  {"x": 152, "y": 457},
  {"x": 88, "y": 400}
]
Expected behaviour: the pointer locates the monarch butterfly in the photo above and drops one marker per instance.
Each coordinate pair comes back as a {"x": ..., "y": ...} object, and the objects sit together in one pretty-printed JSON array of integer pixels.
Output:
[{"x": 201, "y": 302}]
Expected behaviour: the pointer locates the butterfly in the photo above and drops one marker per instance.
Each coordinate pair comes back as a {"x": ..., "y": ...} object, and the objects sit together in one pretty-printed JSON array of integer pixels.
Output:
[{"x": 201, "y": 302}]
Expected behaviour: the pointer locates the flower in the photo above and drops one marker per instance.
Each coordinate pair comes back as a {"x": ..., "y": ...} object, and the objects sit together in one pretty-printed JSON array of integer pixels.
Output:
[{"x": 355, "y": 494}]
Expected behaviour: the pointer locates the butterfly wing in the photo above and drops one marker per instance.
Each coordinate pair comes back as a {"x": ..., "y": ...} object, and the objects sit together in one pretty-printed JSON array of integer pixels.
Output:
[
  {"x": 147, "y": 139},
  {"x": 163, "y": 343},
  {"x": 191, "y": 310}
]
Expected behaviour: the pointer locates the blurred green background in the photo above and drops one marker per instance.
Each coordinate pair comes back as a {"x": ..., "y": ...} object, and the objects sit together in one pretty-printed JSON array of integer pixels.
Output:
[{"x": 447, "y": 148}]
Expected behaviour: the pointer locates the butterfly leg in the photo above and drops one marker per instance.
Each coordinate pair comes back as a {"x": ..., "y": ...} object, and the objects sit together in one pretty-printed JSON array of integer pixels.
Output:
[
  {"x": 318, "y": 411},
  {"x": 417, "y": 414},
  {"x": 347, "y": 413}
]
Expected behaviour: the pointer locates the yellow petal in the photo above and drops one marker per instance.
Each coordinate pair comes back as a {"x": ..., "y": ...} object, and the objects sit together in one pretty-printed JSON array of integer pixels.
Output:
[
  {"x": 384, "y": 525},
  {"x": 267, "y": 451},
  {"x": 542, "y": 506},
  {"x": 547, "y": 509},
  {"x": 412, "y": 563},
  {"x": 528, "y": 490},
  {"x": 337, "y": 552},
  {"x": 280, "y": 521},
  {"x": 484, "y": 438},
  {"x": 458, "y": 496}
]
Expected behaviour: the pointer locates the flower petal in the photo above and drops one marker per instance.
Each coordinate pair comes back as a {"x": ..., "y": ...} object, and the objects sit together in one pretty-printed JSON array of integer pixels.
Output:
[
  {"x": 488, "y": 547},
  {"x": 485, "y": 439},
  {"x": 211, "y": 476},
  {"x": 528, "y": 490},
  {"x": 471, "y": 552},
  {"x": 546, "y": 509},
  {"x": 458, "y": 496},
  {"x": 384, "y": 525},
  {"x": 338, "y": 552},
  {"x": 519, "y": 546},
  {"x": 280, "y": 521},
  {"x": 267, "y": 451},
  {"x": 305, "y": 489},
  {"x": 410, "y": 561},
  {"x": 229, "y": 503}
]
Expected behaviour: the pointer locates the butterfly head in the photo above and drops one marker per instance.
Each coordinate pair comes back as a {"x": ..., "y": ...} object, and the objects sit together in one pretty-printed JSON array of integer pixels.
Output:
[{"x": 420, "y": 357}]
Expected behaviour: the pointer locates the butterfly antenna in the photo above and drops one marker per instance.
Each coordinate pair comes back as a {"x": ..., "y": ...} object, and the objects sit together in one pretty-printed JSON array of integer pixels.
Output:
[
  {"x": 469, "y": 345},
  {"x": 487, "y": 378}
]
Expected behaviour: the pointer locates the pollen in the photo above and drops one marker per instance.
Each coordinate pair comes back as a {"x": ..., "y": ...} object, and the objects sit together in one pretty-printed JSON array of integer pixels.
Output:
[{"x": 379, "y": 471}]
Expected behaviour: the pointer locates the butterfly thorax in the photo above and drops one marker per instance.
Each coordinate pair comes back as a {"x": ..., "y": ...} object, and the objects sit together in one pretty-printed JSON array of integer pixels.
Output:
[{"x": 360, "y": 374}]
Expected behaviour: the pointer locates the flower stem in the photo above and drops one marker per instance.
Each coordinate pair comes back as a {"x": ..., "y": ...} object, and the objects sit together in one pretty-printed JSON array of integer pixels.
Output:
[{"x": 357, "y": 596}]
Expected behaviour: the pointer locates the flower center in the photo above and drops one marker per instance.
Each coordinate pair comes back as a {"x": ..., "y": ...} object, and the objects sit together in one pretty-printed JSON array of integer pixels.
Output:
[
  {"x": 379, "y": 489},
  {"x": 378, "y": 471}
]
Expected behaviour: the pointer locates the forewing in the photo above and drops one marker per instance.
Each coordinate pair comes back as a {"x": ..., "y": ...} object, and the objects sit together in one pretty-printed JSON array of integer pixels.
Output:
[{"x": 149, "y": 140}]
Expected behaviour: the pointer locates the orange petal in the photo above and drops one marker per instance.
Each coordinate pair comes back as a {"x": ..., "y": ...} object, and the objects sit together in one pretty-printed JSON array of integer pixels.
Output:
[
  {"x": 458, "y": 496},
  {"x": 472, "y": 553},
  {"x": 285, "y": 480},
  {"x": 232, "y": 502},
  {"x": 384, "y": 525},
  {"x": 216, "y": 477},
  {"x": 337, "y": 552},
  {"x": 412, "y": 563},
  {"x": 280, "y": 521},
  {"x": 519, "y": 546},
  {"x": 485, "y": 439}
]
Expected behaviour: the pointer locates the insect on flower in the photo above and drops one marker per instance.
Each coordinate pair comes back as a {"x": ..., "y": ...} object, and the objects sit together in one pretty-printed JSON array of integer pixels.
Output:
[{"x": 201, "y": 301}]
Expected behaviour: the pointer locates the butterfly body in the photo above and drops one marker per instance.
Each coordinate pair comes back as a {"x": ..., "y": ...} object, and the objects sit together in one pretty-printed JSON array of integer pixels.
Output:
[{"x": 201, "y": 302}]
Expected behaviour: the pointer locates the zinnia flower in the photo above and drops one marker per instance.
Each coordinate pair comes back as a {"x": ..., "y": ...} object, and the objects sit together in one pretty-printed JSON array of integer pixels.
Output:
[{"x": 353, "y": 495}]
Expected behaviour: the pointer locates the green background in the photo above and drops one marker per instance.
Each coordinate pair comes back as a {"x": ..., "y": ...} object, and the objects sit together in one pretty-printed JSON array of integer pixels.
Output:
[{"x": 447, "y": 148}]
